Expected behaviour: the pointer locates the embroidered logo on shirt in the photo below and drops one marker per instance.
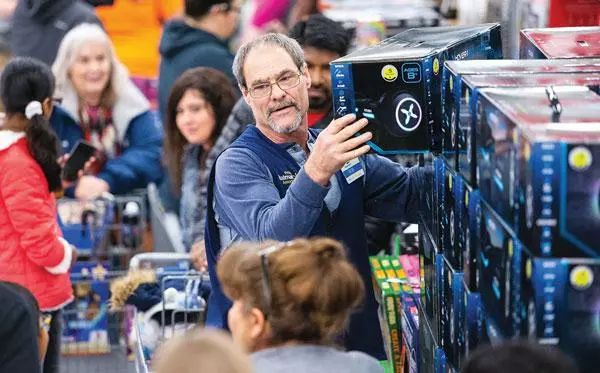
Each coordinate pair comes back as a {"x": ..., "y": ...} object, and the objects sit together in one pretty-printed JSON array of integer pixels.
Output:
[{"x": 287, "y": 177}]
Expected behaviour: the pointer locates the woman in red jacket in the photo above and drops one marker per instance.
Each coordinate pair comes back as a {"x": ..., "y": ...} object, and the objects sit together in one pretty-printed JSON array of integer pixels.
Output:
[{"x": 32, "y": 250}]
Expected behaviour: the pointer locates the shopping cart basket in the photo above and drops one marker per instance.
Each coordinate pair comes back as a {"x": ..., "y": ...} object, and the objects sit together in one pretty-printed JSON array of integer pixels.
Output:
[{"x": 178, "y": 311}]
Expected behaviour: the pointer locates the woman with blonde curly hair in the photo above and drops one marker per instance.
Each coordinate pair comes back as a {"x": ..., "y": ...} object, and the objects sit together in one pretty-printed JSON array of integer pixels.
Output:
[{"x": 291, "y": 304}]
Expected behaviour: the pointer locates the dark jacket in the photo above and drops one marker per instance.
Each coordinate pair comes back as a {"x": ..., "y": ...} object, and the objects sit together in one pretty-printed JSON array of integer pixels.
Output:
[
  {"x": 19, "y": 327},
  {"x": 183, "y": 47},
  {"x": 40, "y": 25}
]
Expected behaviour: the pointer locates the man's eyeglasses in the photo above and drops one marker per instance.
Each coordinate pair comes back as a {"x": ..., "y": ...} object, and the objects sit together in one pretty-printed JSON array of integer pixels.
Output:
[{"x": 285, "y": 82}]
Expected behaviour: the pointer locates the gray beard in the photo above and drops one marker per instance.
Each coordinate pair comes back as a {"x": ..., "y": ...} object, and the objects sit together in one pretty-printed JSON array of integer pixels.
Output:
[{"x": 285, "y": 130}]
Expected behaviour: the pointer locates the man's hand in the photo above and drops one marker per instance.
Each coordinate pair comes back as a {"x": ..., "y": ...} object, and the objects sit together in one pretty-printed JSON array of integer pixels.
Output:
[
  {"x": 335, "y": 146},
  {"x": 86, "y": 168},
  {"x": 90, "y": 187},
  {"x": 198, "y": 252}
]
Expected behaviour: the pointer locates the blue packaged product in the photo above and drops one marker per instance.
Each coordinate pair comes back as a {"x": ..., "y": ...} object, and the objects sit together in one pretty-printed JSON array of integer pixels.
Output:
[
  {"x": 429, "y": 256},
  {"x": 452, "y": 312},
  {"x": 500, "y": 258},
  {"x": 410, "y": 331},
  {"x": 474, "y": 322},
  {"x": 536, "y": 162},
  {"x": 560, "y": 42},
  {"x": 564, "y": 307},
  {"x": 460, "y": 96},
  {"x": 396, "y": 84},
  {"x": 448, "y": 187},
  {"x": 428, "y": 195},
  {"x": 427, "y": 345},
  {"x": 470, "y": 226}
]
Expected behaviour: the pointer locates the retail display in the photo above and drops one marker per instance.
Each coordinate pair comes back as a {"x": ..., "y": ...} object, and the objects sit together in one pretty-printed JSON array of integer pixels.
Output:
[
  {"x": 396, "y": 84},
  {"x": 564, "y": 42}
]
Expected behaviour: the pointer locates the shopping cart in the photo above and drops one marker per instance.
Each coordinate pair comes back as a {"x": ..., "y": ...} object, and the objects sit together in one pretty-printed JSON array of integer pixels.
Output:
[
  {"x": 107, "y": 232},
  {"x": 177, "y": 312}
]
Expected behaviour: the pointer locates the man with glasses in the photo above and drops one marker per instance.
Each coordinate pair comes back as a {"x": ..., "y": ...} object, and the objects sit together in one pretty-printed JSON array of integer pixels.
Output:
[
  {"x": 200, "y": 39},
  {"x": 279, "y": 181}
]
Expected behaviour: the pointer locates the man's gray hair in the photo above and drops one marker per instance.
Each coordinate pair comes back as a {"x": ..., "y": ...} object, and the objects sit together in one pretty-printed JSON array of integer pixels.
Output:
[{"x": 288, "y": 44}]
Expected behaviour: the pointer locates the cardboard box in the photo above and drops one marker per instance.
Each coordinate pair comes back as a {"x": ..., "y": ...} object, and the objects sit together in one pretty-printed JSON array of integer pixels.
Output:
[
  {"x": 474, "y": 323},
  {"x": 562, "y": 42},
  {"x": 470, "y": 224},
  {"x": 499, "y": 273},
  {"x": 410, "y": 332},
  {"x": 396, "y": 84},
  {"x": 431, "y": 259},
  {"x": 537, "y": 168},
  {"x": 452, "y": 311},
  {"x": 427, "y": 345},
  {"x": 461, "y": 78},
  {"x": 565, "y": 307},
  {"x": 448, "y": 188},
  {"x": 392, "y": 337},
  {"x": 85, "y": 320},
  {"x": 428, "y": 197}
]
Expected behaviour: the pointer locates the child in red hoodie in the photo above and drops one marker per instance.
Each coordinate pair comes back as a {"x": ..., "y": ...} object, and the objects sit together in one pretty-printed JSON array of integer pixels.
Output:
[{"x": 32, "y": 250}]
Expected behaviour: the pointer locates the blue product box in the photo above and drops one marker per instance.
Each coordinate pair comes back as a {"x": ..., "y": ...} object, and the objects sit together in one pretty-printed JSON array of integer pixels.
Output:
[
  {"x": 470, "y": 227},
  {"x": 410, "y": 331},
  {"x": 537, "y": 166},
  {"x": 428, "y": 195},
  {"x": 500, "y": 264},
  {"x": 461, "y": 78},
  {"x": 396, "y": 84},
  {"x": 452, "y": 311},
  {"x": 474, "y": 323},
  {"x": 430, "y": 259},
  {"x": 565, "y": 307},
  {"x": 85, "y": 320},
  {"x": 560, "y": 42},
  {"x": 427, "y": 345},
  {"x": 448, "y": 187}
]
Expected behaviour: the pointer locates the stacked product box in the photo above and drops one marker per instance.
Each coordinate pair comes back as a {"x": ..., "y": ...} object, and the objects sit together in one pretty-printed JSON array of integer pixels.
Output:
[
  {"x": 396, "y": 84},
  {"x": 537, "y": 156},
  {"x": 563, "y": 42},
  {"x": 461, "y": 82},
  {"x": 397, "y": 307}
]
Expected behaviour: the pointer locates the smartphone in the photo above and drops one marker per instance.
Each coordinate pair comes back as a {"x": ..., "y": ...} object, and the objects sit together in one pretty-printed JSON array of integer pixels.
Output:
[{"x": 82, "y": 153}]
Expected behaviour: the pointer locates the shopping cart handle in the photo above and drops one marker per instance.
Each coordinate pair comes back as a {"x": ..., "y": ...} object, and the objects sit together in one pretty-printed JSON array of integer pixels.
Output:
[{"x": 157, "y": 258}]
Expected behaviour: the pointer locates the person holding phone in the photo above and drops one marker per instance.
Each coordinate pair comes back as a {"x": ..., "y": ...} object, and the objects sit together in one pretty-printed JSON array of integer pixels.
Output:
[
  {"x": 101, "y": 105},
  {"x": 33, "y": 252}
]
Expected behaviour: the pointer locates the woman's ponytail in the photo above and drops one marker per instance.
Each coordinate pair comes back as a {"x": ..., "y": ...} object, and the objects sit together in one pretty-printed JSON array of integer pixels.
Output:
[{"x": 43, "y": 145}]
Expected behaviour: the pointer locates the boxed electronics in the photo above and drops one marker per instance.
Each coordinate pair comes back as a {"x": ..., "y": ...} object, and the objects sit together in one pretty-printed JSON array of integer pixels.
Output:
[
  {"x": 562, "y": 42},
  {"x": 452, "y": 338},
  {"x": 410, "y": 331},
  {"x": 446, "y": 181},
  {"x": 536, "y": 154},
  {"x": 564, "y": 307},
  {"x": 427, "y": 196},
  {"x": 499, "y": 272},
  {"x": 459, "y": 97},
  {"x": 474, "y": 323},
  {"x": 396, "y": 84},
  {"x": 427, "y": 344},
  {"x": 430, "y": 260}
]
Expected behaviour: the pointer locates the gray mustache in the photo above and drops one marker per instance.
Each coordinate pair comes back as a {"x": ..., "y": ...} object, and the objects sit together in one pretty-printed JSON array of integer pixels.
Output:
[{"x": 281, "y": 106}]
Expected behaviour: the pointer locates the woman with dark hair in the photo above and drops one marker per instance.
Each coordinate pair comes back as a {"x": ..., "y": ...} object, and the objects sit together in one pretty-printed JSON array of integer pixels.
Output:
[
  {"x": 291, "y": 303},
  {"x": 198, "y": 106},
  {"x": 33, "y": 253}
]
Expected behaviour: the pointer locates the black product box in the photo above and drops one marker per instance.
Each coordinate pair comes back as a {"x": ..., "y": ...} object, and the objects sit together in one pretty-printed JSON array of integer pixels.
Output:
[
  {"x": 396, "y": 84},
  {"x": 537, "y": 166},
  {"x": 499, "y": 262},
  {"x": 453, "y": 314},
  {"x": 474, "y": 323},
  {"x": 564, "y": 307},
  {"x": 461, "y": 78},
  {"x": 469, "y": 227},
  {"x": 427, "y": 345},
  {"x": 447, "y": 181},
  {"x": 560, "y": 42},
  {"x": 431, "y": 260},
  {"x": 428, "y": 196}
]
